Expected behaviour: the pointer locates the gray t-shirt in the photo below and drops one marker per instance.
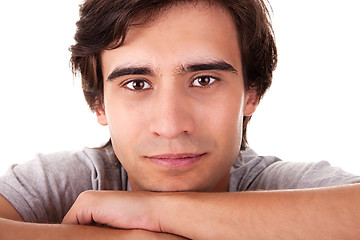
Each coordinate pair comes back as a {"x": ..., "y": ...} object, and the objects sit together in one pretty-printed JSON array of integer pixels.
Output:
[{"x": 44, "y": 189}]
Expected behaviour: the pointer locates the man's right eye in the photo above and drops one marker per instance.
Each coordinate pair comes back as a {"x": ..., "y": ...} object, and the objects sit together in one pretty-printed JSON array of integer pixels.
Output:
[{"x": 136, "y": 85}]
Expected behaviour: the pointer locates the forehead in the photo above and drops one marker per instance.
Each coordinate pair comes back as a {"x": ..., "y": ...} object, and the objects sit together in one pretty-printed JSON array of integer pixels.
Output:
[{"x": 188, "y": 32}]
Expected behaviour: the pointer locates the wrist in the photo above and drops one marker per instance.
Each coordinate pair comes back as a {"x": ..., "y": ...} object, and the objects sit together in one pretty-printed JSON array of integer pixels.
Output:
[{"x": 179, "y": 212}]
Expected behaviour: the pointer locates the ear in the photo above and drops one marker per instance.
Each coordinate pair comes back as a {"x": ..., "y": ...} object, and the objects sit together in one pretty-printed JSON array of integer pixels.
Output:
[
  {"x": 251, "y": 102},
  {"x": 101, "y": 116}
]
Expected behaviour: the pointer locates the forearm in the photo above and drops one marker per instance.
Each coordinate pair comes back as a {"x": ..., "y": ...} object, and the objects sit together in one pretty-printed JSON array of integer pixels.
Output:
[
  {"x": 331, "y": 213},
  {"x": 26, "y": 231},
  {"x": 328, "y": 213}
]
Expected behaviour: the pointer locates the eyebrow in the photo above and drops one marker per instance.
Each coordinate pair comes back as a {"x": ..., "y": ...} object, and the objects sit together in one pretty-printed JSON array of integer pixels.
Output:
[
  {"x": 208, "y": 66},
  {"x": 123, "y": 71},
  {"x": 182, "y": 69}
]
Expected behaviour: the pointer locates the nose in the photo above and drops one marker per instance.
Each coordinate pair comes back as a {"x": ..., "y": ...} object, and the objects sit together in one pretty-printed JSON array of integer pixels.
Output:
[{"x": 171, "y": 114}]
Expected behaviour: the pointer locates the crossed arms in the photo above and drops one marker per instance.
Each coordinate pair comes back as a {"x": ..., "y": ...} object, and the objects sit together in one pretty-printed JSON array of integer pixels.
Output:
[{"x": 323, "y": 213}]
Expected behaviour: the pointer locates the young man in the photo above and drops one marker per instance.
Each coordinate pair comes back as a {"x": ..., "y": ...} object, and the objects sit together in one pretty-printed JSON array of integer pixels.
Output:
[{"x": 176, "y": 83}]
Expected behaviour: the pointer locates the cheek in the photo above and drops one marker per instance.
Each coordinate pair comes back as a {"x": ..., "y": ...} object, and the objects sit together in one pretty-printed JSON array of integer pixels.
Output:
[
  {"x": 125, "y": 128},
  {"x": 226, "y": 124},
  {"x": 226, "y": 114},
  {"x": 124, "y": 119}
]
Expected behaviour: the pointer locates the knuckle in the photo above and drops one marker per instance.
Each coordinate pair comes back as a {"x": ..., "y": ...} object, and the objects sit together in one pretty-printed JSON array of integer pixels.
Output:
[{"x": 86, "y": 197}]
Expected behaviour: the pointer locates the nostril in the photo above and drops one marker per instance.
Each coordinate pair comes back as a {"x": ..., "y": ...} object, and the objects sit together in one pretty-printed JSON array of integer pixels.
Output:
[{"x": 171, "y": 128}]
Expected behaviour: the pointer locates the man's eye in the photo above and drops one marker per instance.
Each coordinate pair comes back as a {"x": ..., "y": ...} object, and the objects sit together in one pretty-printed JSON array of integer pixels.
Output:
[
  {"x": 203, "y": 81},
  {"x": 137, "y": 85}
]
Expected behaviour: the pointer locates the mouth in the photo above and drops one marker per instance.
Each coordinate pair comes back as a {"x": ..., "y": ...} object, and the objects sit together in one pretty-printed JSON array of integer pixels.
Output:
[{"x": 181, "y": 160}]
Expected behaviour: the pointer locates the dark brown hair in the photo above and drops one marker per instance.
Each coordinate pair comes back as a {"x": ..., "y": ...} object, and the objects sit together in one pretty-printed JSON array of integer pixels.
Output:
[{"x": 103, "y": 25}]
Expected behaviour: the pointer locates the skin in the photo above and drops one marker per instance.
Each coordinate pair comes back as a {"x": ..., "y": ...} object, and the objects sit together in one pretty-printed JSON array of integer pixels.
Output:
[
  {"x": 162, "y": 125},
  {"x": 169, "y": 111},
  {"x": 319, "y": 214}
]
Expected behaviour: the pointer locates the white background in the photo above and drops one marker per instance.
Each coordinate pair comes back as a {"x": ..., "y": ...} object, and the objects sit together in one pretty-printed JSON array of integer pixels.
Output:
[{"x": 311, "y": 112}]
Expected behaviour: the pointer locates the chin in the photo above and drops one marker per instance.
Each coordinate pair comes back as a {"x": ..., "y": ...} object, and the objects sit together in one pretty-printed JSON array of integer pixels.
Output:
[{"x": 177, "y": 188}]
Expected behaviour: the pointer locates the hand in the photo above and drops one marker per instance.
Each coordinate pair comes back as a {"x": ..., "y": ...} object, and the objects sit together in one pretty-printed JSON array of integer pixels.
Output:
[{"x": 125, "y": 210}]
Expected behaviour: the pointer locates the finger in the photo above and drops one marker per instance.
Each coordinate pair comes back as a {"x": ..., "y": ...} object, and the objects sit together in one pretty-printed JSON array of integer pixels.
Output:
[{"x": 81, "y": 211}]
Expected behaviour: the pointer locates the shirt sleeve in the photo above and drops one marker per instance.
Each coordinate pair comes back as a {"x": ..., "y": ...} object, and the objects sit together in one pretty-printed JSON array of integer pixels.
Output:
[
  {"x": 44, "y": 189},
  {"x": 255, "y": 172}
]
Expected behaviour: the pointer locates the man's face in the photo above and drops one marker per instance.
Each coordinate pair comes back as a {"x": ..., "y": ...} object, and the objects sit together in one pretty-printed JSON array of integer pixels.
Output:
[{"x": 174, "y": 100}]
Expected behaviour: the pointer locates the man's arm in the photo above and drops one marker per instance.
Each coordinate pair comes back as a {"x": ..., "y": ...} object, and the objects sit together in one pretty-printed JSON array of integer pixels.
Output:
[
  {"x": 26, "y": 231},
  {"x": 7, "y": 210},
  {"x": 13, "y": 227},
  {"x": 323, "y": 213}
]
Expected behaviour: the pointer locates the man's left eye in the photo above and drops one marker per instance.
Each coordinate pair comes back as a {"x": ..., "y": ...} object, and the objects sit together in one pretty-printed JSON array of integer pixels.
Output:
[{"x": 203, "y": 81}]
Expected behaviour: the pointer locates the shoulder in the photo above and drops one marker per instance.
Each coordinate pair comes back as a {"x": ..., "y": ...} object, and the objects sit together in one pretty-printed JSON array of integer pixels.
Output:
[
  {"x": 86, "y": 169},
  {"x": 43, "y": 189},
  {"x": 96, "y": 167},
  {"x": 254, "y": 172},
  {"x": 79, "y": 161},
  {"x": 247, "y": 168}
]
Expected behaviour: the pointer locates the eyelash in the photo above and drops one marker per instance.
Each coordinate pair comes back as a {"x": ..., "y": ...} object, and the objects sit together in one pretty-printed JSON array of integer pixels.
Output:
[
  {"x": 125, "y": 84},
  {"x": 212, "y": 81}
]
